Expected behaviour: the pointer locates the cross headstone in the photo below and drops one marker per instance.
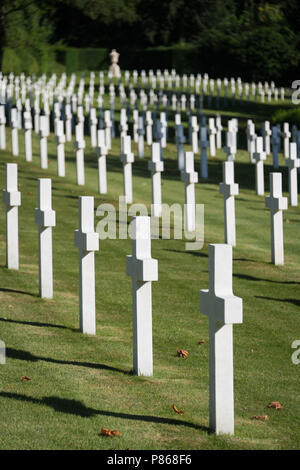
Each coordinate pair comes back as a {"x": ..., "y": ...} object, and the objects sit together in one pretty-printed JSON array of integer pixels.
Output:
[
  {"x": 180, "y": 141},
  {"x": 156, "y": 166},
  {"x": 43, "y": 131},
  {"x": 203, "y": 146},
  {"x": 127, "y": 158},
  {"x": 87, "y": 242},
  {"x": 60, "y": 148},
  {"x": 275, "y": 146},
  {"x": 2, "y": 128},
  {"x": 101, "y": 154},
  {"x": 286, "y": 139},
  {"x": 276, "y": 203},
  {"x": 293, "y": 164},
  {"x": 14, "y": 132},
  {"x": 28, "y": 142},
  {"x": 189, "y": 177},
  {"x": 230, "y": 149},
  {"x": 93, "y": 127},
  {"x": 149, "y": 124},
  {"x": 194, "y": 130},
  {"x": 79, "y": 145},
  {"x": 45, "y": 218},
  {"x": 223, "y": 309},
  {"x": 219, "y": 129},
  {"x": 141, "y": 133},
  {"x": 12, "y": 200},
  {"x": 212, "y": 131},
  {"x": 229, "y": 189},
  {"x": 143, "y": 270},
  {"x": 259, "y": 156}
]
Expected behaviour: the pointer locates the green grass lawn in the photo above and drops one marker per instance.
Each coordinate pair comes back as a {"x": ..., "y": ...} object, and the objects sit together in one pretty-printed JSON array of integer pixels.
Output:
[{"x": 81, "y": 383}]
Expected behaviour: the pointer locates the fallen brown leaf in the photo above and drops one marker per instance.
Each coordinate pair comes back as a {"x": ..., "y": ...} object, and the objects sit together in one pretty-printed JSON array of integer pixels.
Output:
[
  {"x": 107, "y": 432},
  {"x": 262, "y": 418},
  {"x": 179, "y": 412},
  {"x": 202, "y": 341},
  {"x": 24, "y": 378},
  {"x": 182, "y": 353},
  {"x": 275, "y": 404}
]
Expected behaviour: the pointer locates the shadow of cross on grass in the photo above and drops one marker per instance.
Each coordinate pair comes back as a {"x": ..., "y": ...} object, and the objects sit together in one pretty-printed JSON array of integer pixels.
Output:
[
  {"x": 77, "y": 408},
  {"x": 27, "y": 356}
]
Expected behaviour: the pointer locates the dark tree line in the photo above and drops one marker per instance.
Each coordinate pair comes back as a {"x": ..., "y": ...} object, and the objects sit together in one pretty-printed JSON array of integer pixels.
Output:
[{"x": 248, "y": 34}]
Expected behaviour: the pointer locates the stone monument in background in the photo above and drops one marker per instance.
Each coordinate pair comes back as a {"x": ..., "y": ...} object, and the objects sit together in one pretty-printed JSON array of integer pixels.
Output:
[{"x": 114, "y": 69}]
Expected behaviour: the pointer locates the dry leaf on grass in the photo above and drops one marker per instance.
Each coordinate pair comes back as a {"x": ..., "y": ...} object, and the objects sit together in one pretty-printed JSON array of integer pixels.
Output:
[
  {"x": 202, "y": 341},
  {"x": 182, "y": 353},
  {"x": 261, "y": 418},
  {"x": 275, "y": 404},
  {"x": 25, "y": 378},
  {"x": 179, "y": 412},
  {"x": 107, "y": 432}
]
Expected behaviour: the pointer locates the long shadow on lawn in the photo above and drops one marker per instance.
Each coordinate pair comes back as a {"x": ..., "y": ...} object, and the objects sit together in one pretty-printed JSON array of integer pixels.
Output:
[
  {"x": 75, "y": 407},
  {"x": 27, "y": 356},
  {"x": 291, "y": 301},
  {"x": 15, "y": 291},
  {"x": 32, "y": 323},
  {"x": 253, "y": 278}
]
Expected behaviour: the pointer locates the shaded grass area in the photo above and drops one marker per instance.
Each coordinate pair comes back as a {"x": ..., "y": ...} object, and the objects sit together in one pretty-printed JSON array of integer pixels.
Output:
[{"x": 81, "y": 383}]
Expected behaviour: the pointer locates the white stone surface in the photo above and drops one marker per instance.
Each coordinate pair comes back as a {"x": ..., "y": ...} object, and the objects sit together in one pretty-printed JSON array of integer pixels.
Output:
[
  {"x": 101, "y": 154},
  {"x": 43, "y": 132},
  {"x": 14, "y": 132},
  {"x": 156, "y": 166},
  {"x": 203, "y": 146},
  {"x": 223, "y": 309},
  {"x": 27, "y": 133},
  {"x": 127, "y": 158},
  {"x": 12, "y": 200},
  {"x": 293, "y": 163},
  {"x": 229, "y": 189},
  {"x": 2, "y": 128},
  {"x": 143, "y": 270},
  {"x": 87, "y": 242},
  {"x": 276, "y": 203},
  {"x": 79, "y": 145},
  {"x": 60, "y": 148},
  {"x": 189, "y": 177},
  {"x": 45, "y": 218},
  {"x": 259, "y": 156}
]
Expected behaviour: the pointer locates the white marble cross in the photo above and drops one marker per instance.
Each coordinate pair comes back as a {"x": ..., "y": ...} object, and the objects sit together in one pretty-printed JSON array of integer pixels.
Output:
[
  {"x": 286, "y": 139},
  {"x": 68, "y": 122},
  {"x": 12, "y": 200},
  {"x": 229, "y": 189},
  {"x": 108, "y": 127},
  {"x": 101, "y": 154},
  {"x": 149, "y": 124},
  {"x": 275, "y": 145},
  {"x": 223, "y": 309},
  {"x": 60, "y": 148},
  {"x": 127, "y": 158},
  {"x": 45, "y": 218},
  {"x": 212, "y": 131},
  {"x": 267, "y": 137},
  {"x": 276, "y": 203},
  {"x": 195, "y": 130},
  {"x": 229, "y": 149},
  {"x": 219, "y": 129},
  {"x": 43, "y": 131},
  {"x": 180, "y": 141},
  {"x": 140, "y": 133},
  {"x": 93, "y": 127},
  {"x": 143, "y": 270},
  {"x": 28, "y": 142},
  {"x": 189, "y": 177},
  {"x": 2, "y": 128},
  {"x": 251, "y": 138},
  {"x": 293, "y": 164},
  {"x": 203, "y": 146},
  {"x": 14, "y": 132},
  {"x": 79, "y": 145},
  {"x": 87, "y": 242},
  {"x": 156, "y": 166},
  {"x": 259, "y": 156}
]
